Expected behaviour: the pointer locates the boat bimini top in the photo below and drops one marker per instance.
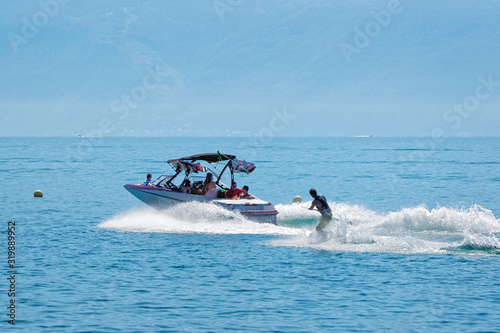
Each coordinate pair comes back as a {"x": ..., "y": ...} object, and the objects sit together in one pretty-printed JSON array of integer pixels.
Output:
[{"x": 190, "y": 164}]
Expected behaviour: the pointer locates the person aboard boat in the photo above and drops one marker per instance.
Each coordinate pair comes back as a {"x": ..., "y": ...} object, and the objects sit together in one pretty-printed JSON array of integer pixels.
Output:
[
  {"x": 187, "y": 187},
  {"x": 148, "y": 180},
  {"x": 209, "y": 189},
  {"x": 245, "y": 195},
  {"x": 233, "y": 191}
]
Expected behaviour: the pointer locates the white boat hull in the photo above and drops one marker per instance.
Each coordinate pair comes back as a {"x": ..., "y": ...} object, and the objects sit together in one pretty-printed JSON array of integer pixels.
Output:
[{"x": 253, "y": 209}]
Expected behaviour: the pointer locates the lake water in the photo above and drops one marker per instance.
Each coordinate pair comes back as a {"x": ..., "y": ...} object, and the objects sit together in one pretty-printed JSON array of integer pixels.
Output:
[{"x": 416, "y": 247}]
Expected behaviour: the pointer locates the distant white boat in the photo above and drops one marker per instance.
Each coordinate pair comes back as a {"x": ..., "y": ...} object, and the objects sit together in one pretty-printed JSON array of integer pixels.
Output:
[{"x": 364, "y": 136}]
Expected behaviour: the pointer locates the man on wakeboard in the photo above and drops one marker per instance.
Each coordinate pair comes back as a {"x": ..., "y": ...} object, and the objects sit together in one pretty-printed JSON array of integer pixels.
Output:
[{"x": 322, "y": 205}]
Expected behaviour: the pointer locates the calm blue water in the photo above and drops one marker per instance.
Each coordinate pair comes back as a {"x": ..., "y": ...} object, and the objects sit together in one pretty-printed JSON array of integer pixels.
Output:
[{"x": 416, "y": 248}]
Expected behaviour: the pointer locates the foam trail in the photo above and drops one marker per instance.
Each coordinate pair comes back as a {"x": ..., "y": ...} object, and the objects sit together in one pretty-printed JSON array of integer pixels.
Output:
[
  {"x": 410, "y": 230},
  {"x": 355, "y": 229},
  {"x": 191, "y": 217}
]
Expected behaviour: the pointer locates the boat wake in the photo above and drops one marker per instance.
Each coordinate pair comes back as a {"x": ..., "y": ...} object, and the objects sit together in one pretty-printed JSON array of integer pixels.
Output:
[
  {"x": 472, "y": 230},
  {"x": 192, "y": 217}
]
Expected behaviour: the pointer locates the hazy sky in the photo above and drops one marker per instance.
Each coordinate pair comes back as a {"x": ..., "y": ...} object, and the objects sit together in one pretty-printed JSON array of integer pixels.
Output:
[{"x": 243, "y": 67}]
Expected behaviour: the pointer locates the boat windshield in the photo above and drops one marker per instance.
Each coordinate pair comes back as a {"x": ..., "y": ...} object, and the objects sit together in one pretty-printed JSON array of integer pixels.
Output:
[{"x": 164, "y": 181}]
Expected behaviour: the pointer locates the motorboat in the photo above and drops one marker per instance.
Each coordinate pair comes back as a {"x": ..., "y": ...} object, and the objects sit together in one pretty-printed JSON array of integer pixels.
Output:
[{"x": 169, "y": 190}]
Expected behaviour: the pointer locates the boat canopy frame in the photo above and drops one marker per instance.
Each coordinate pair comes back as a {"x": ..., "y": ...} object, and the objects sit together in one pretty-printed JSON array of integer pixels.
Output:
[
  {"x": 188, "y": 166},
  {"x": 207, "y": 157}
]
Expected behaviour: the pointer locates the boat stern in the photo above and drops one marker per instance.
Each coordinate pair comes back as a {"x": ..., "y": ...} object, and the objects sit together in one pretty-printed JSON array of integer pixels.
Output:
[{"x": 253, "y": 209}]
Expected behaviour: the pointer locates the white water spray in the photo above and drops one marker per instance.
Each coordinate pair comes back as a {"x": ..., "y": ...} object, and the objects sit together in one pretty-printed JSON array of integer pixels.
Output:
[{"x": 354, "y": 229}]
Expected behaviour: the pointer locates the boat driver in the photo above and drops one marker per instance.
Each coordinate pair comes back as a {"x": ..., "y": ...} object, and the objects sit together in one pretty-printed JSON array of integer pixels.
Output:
[
  {"x": 322, "y": 205},
  {"x": 209, "y": 189}
]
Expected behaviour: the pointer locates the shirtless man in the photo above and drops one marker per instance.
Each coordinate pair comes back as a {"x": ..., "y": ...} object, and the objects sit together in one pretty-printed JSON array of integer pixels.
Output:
[
  {"x": 209, "y": 189},
  {"x": 244, "y": 193}
]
